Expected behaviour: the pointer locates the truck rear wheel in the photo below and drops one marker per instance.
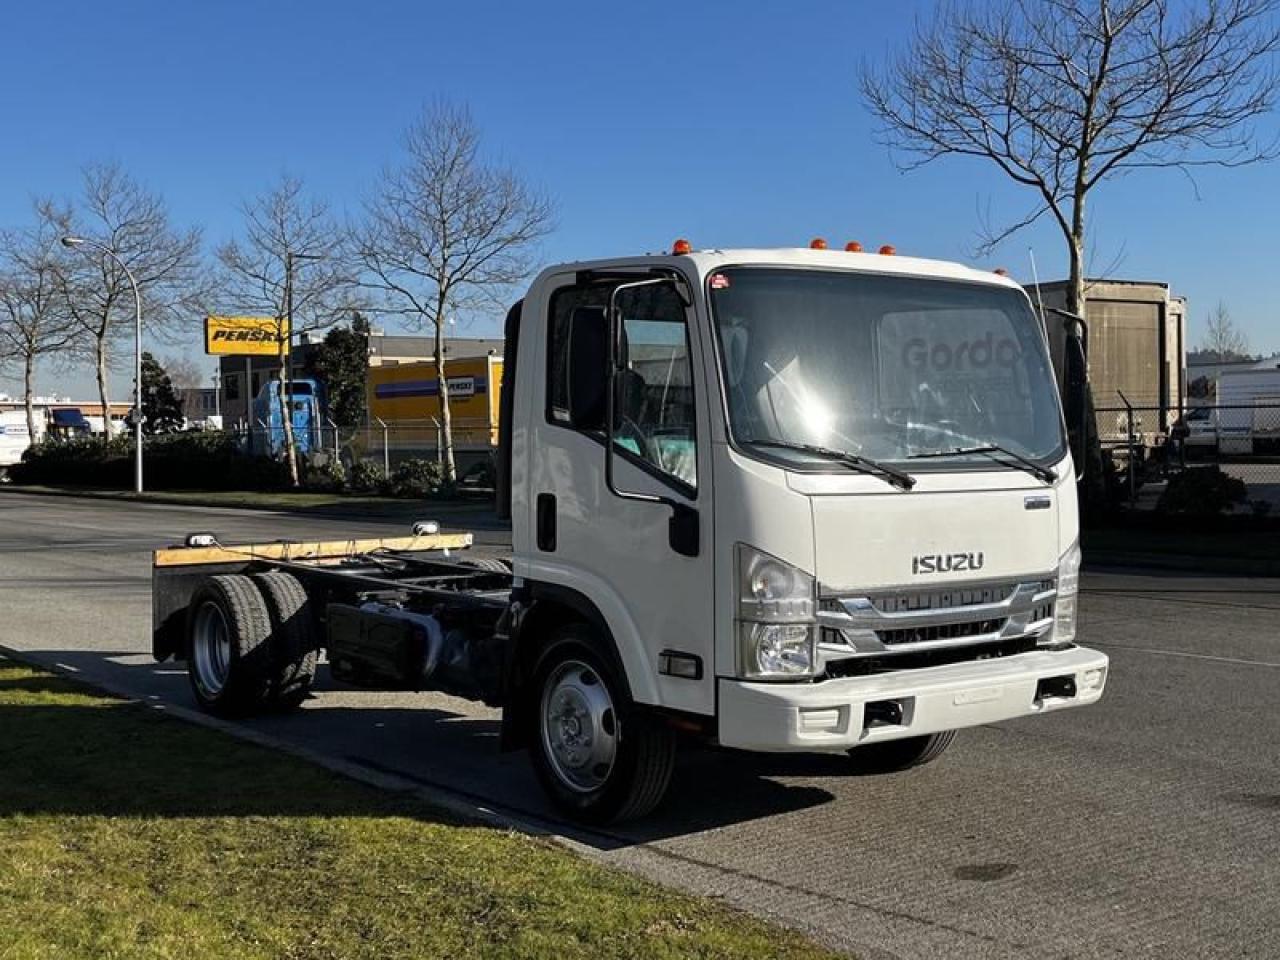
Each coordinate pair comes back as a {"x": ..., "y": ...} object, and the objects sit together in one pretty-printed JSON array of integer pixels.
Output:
[
  {"x": 293, "y": 642},
  {"x": 488, "y": 564},
  {"x": 228, "y": 646},
  {"x": 894, "y": 755},
  {"x": 599, "y": 758}
]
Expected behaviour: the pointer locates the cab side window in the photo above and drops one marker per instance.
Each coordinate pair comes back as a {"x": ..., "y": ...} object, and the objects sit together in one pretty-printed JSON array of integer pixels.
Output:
[
  {"x": 654, "y": 401},
  {"x": 654, "y": 423}
]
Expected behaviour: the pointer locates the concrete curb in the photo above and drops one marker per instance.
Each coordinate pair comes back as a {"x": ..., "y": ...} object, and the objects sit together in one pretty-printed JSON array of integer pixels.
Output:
[
  {"x": 745, "y": 893},
  {"x": 450, "y": 802}
]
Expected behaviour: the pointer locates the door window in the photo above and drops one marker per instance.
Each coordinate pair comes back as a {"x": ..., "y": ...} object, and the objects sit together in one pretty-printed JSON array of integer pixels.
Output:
[
  {"x": 653, "y": 402},
  {"x": 654, "y": 423}
]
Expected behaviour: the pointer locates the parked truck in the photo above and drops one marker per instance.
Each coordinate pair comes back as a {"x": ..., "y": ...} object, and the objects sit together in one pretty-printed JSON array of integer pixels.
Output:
[
  {"x": 306, "y": 410},
  {"x": 15, "y": 438},
  {"x": 1246, "y": 416},
  {"x": 779, "y": 500}
]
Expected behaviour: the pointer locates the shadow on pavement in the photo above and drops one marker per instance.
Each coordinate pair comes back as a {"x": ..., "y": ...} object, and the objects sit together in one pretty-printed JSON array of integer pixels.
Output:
[{"x": 411, "y": 737}]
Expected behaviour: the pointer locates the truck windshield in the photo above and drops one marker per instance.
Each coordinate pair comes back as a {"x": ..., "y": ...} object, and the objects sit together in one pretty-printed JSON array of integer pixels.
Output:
[{"x": 890, "y": 368}]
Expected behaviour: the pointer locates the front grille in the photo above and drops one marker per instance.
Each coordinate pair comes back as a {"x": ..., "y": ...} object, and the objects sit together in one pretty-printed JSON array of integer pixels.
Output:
[
  {"x": 912, "y": 620},
  {"x": 946, "y": 631},
  {"x": 904, "y": 602},
  {"x": 922, "y": 659},
  {"x": 908, "y": 635}
]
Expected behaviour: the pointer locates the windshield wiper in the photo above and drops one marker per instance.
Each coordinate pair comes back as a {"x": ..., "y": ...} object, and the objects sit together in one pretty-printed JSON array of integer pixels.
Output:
[
  {"x": 898, "y": 478},
  {"x": 1019, "y": 461}
]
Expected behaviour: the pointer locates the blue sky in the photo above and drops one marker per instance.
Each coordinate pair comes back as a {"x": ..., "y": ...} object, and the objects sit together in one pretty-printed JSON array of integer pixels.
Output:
[{"x": 731, "y": 123}]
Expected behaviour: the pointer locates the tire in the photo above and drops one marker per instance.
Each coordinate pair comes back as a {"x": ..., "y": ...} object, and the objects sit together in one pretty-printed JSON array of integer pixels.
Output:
[
  {"x": 895, "y": 755},
  {"x": 228, "y": 646},
  {"x": 629, "y": 755},
  {"x": 294, "y": 651},
  {"x": 489, "y": 564}
]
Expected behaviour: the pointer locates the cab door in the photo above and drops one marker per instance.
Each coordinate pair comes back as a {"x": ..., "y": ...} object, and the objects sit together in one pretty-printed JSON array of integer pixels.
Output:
[{"x": 628, "y": 530}]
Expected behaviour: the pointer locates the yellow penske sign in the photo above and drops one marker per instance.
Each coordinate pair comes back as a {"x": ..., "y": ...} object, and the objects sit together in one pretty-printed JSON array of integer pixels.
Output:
[{"x": 257, "y": 336}]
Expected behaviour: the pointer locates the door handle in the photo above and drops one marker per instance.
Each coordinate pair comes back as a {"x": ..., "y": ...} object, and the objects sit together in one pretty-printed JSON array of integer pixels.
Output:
[{"x": 546, "y": 522}]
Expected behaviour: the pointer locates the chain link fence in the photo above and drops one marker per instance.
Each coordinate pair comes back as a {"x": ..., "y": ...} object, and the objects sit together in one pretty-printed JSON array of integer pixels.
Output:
[
  {"x": 1144, "y": 447},
  {"x": 382, "y": 443}
]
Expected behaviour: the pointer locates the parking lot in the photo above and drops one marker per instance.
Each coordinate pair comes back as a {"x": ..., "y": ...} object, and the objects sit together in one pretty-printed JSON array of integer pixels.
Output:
[{"x": 1148, "y": 825}]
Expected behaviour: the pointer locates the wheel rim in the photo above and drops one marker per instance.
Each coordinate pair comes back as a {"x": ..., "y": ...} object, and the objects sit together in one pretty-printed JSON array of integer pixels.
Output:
[
  {"x": 211, "y": 649},
  {"x": 579, "y": 726}
]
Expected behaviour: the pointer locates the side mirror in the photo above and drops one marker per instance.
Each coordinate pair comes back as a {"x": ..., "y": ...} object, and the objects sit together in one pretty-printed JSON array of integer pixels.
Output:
[{"x": 588, "y": 363}]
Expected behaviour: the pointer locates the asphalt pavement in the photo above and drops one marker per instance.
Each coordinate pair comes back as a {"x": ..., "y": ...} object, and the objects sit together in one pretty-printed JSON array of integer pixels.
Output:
[{"x": 1146, "y": 826}]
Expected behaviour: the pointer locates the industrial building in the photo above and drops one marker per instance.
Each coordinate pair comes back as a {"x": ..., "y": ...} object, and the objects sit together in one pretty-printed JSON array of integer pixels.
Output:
[{"x": 237, "y": 372}]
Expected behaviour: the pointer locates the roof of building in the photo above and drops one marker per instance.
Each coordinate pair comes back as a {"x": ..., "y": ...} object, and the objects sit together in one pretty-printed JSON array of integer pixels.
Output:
[{"x": 395, "y": 346}]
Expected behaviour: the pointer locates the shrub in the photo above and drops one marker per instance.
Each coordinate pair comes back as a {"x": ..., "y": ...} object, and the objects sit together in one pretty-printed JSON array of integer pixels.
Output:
[
  {"x": 1202, "y": 492},
  {"x": 367, "y": 477},
  {"x": 327, "y": 477},
  {"x": 180, "y": 461},
  {"x": 418, "y": 479},
  {"x": 79, "y": 461}
]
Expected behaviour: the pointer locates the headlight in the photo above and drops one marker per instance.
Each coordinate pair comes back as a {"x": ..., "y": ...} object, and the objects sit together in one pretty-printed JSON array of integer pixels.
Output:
[
  {"x": 776, "y": 625},
  {"x": 1064, "y": 609}
]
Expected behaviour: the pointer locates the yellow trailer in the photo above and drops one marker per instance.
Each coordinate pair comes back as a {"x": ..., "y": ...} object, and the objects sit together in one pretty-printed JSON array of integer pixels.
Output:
[{"x": 406, "y": 397}]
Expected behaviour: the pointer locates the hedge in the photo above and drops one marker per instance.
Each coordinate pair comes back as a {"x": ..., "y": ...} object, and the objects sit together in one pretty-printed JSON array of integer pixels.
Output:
[{"x": 180, "y": 461}]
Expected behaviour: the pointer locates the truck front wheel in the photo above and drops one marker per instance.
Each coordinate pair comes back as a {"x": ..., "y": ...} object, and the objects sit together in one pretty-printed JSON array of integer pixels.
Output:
[
  {"x": 599, "y": 758},
  {"x": 894, "y": 755},
  {"x": 228, "y": 646}
]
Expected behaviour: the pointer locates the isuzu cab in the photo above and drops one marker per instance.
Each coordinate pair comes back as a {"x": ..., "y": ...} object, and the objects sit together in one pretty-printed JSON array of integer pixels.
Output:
[{"x": 777, "y": 499}]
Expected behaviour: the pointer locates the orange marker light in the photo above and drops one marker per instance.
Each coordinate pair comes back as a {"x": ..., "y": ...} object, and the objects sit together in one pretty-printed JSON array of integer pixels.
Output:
[
  {"x": 887, "y": 250},
  {"x": 681, "y": 246},
  {"x": 817, "y": 243},
  {"x": 853, "y": 246},
  {"x": 1001, "y": 272}
]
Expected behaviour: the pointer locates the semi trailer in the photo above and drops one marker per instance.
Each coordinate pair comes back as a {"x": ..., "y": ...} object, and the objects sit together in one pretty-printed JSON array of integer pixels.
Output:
[{"x": 776, "y": 500}]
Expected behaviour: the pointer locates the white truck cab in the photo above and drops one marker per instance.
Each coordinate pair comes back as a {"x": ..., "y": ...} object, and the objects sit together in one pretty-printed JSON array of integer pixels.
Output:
[
  {"x": 838, "y": 508},
  {"x": 782, "y": 500}
]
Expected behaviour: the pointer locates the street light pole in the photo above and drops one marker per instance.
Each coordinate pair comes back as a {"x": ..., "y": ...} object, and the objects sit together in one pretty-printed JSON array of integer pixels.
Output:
[{"x": 73, "y": 242}]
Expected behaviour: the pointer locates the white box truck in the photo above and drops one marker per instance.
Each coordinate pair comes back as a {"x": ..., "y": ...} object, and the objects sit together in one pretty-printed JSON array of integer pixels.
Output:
[
  {"x": 15, "y": 438},
  {"x": 782, "y": 500},
  {"x": 1248, "y": 411}
]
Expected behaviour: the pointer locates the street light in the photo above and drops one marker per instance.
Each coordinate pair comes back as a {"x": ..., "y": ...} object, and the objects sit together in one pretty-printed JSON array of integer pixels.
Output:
[{"x": 71, "y": 243}]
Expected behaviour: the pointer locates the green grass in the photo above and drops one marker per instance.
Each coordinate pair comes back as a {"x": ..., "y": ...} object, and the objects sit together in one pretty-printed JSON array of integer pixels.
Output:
[{"x": 128, "y": 834}]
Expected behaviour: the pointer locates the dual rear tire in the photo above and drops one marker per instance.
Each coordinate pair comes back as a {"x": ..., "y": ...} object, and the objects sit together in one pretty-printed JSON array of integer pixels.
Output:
[{"x": 250, "y": 643}]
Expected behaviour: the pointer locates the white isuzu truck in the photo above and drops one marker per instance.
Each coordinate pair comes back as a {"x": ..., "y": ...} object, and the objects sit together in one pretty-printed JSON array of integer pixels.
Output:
[{"x": 781, "y": 500}]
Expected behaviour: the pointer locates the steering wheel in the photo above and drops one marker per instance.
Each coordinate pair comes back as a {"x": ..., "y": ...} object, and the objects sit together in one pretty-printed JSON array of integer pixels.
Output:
[{"x": 629, "y": 429}]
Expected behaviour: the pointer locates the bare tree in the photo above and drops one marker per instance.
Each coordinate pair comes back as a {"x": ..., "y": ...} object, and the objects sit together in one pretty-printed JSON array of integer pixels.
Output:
[
  {"x": 116, "y": 211},
  {"x": 33, "y": 320},
  {"x": 447, "y": 234},
  {"x": 1222, "y": 337},
  {"x": 292, "y": 249},
  {"x": 1062, "y": 95},
  {"x": 184, "y": 373}
]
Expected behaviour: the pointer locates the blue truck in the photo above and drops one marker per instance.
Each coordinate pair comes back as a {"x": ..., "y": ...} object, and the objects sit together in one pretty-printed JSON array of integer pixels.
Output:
[{"x": 305, "y": 404}]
